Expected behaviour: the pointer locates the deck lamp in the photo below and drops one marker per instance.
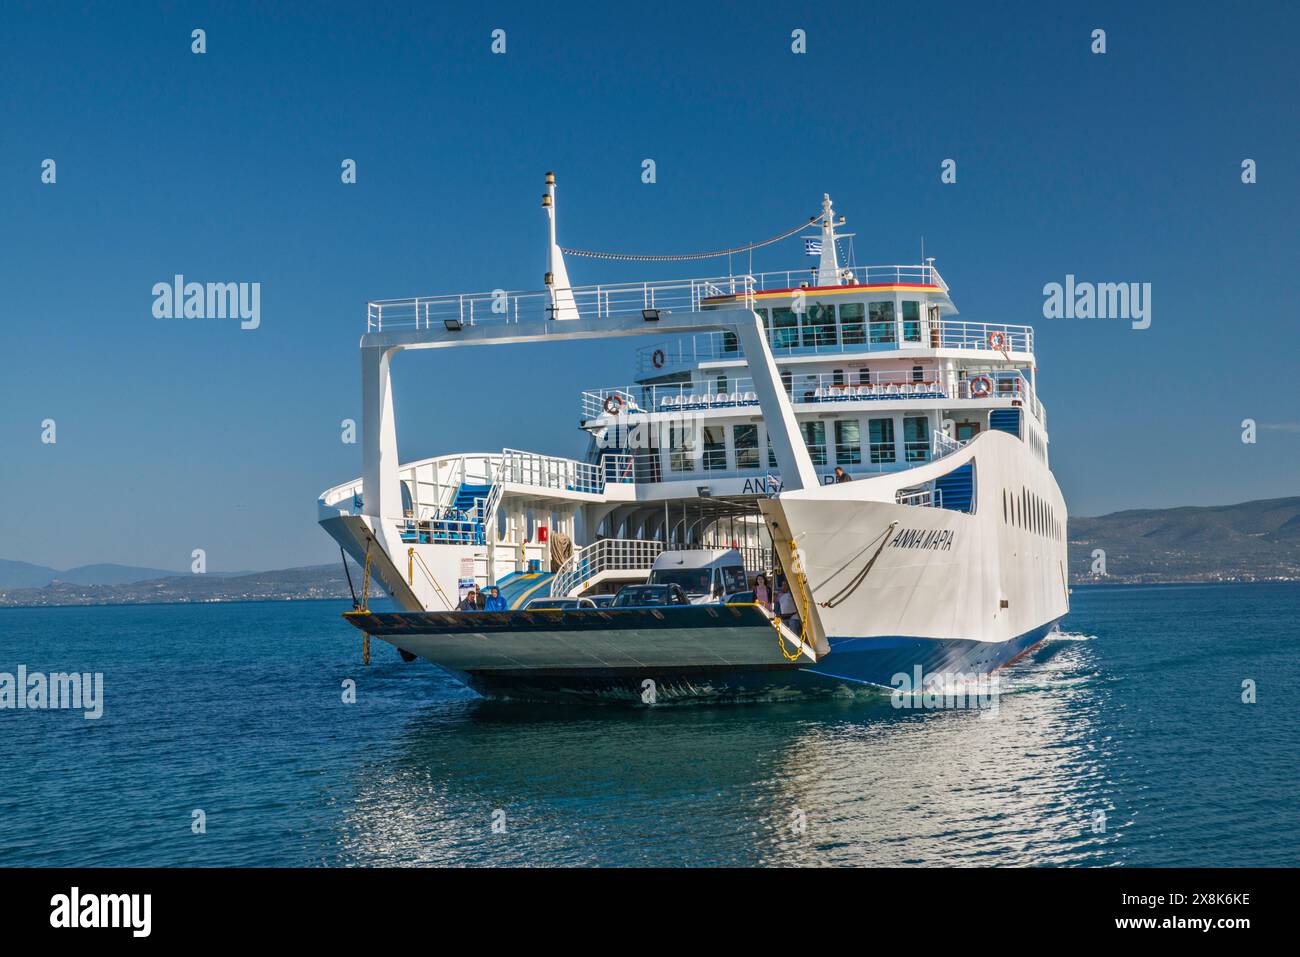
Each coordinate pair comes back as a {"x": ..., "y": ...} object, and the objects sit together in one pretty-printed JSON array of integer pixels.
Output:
[
  {"x": 453, "y": 324},
  {"x": 650, "y": 315},
  {"x": 703, "y": 491}
]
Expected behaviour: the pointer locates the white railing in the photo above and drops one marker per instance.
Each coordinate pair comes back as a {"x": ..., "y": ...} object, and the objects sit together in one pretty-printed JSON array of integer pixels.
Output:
[
  {"x": 819, "y": 387},
  {"x": 941, "y": 444},
  {"x": 921, "y": 497},
  {"x": 549, "y": 472},
  {"x": 607, "y": 554},
  {"x": 592, "y": 302},
  {"x": 687, "y": 351},
  {"x": 919, "y": 275},
  {"x": 602, "y": 301}
]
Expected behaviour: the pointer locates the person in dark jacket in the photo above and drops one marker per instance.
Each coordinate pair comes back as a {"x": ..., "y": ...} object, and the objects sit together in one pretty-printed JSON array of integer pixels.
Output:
[
  {"x": 472, "y": 601},
  {"x": 841, "y": 475}
]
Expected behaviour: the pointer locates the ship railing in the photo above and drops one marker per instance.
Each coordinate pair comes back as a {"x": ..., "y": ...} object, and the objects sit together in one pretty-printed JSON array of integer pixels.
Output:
[
  {"x": 943, "y": 444},
  {"x": 591, "y": 302},
  {"x": 607, "y": 554},
  {"x": 688, "y": 351},
  {"x": 921, "y": 497},
  {"x": 916, "y": 275},
  {"x": 725, "y": 392},
  {"x": 1007, "y": 384},
  {"x": 550, "y": 472}
]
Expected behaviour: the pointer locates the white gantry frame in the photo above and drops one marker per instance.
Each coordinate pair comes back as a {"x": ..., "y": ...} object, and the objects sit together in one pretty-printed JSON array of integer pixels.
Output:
[{"x": 381, "y": 493}]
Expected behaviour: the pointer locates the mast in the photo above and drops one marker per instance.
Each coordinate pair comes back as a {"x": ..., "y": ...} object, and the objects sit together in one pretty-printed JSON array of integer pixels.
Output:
[
  {"x": 828, "y": 272},
  {"x": 563, "y": 305}
]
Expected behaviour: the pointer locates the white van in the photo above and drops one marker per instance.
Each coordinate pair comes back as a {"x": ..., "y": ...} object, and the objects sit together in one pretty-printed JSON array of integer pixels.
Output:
[{"x": 706, "y": 574}]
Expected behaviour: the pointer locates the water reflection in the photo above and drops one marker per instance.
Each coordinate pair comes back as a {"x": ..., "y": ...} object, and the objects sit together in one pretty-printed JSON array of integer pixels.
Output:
[{"x": 731, "y": 785}]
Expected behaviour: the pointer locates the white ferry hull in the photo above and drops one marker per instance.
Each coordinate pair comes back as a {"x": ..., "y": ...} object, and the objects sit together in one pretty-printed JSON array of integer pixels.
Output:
[{"x": 947, "y": 591}]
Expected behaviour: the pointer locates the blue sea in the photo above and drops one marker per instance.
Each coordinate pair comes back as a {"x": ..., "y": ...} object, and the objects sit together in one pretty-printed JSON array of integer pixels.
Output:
[{"x": 1124, "y": 740}]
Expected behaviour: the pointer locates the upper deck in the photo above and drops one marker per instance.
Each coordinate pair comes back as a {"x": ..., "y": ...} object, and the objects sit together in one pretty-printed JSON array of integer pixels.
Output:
[{"x": 608, "y": 300}]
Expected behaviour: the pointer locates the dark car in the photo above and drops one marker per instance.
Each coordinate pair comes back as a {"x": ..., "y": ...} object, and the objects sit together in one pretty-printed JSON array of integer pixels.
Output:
[
  {"x": 739, "y": 598},
  {"x": 646, "y": 596},
  {"x": 602, "y": 601}
]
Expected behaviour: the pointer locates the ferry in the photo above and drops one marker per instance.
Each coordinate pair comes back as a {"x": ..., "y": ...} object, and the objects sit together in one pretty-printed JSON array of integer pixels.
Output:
[{"x": 837, "y": 426}]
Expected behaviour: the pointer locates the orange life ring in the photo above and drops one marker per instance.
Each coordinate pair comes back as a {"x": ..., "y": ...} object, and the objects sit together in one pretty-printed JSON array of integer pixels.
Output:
[
  {"x": 658, "y": 358},
  {"x": 614, "y": 403},
  {"x": 985, "y": 391},
  {"x": 998, "y": 341}
]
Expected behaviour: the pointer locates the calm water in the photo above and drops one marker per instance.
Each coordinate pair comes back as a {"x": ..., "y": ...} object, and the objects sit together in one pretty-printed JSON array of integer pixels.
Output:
[{"x": 237, "y": 709}]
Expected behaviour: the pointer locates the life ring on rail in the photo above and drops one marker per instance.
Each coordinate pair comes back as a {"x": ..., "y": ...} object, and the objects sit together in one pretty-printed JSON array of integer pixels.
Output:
[
  {"x": 614, "y": 403},
  {"x": 980, "y": 387},
  {"x": 998, "y": 341},
  {"x": 658, "y": 358}
]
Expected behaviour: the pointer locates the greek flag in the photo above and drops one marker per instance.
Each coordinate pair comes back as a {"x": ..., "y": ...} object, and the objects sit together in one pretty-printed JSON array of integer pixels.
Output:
[{"x": 812, "y": 247}]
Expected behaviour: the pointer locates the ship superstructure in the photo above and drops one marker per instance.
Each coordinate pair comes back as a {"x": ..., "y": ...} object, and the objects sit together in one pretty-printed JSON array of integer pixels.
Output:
[{"x": 839, "y": 425}]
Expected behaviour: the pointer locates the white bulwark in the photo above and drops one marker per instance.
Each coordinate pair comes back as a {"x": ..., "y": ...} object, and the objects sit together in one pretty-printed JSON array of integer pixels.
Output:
[{"x": 838, "y": 426}]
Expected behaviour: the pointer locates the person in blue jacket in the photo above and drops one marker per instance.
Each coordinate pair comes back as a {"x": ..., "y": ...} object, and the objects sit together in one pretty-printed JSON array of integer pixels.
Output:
[{"x": 494, "y": 600}]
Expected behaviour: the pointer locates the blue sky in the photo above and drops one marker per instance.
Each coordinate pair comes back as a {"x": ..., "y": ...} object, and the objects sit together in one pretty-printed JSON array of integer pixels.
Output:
[{"x": 225, "y": 167}]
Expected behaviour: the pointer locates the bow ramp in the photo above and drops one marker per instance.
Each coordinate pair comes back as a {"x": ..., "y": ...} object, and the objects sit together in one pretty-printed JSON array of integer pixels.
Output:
[{"x": 698, "y": 640}]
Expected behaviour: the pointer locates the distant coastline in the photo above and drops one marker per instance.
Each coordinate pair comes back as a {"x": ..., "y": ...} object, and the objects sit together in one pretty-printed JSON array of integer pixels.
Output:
[{"x": 1248, "y": 543}]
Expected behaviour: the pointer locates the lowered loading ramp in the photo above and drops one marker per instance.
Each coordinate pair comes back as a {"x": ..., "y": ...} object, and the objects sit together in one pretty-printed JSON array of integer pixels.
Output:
[{"x": 677, "y": 639}]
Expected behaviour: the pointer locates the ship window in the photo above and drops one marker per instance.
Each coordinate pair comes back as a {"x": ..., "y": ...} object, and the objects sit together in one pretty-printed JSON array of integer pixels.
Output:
[
  {"x": 745, "y": 438},
  {"x": 916, "y": 438},
  {"x": 882, "y": 440},
  {"x": 785, "y": 328},
  {"x": 911, "y": 321},
  {"x": 715, "y": 447},
  {"x": 730, "y": 345},
  {"x": 881, "y": 315},
  {"x": 771, "y": 456},
  {"x": 837, "y": 377},
  {"x": 819, "y": 325},
  {"x": 852, "y": 331},
  {"x": 864, "y": 375},
  {"x": 848, "y": 442},
  {"x": 814, "y": 436},
  {"x": 918, "y": 373},
  {"x": 681, "y": 445},
  {"x": 722, "y": 385},
  {"x": 787, "y": 380}
]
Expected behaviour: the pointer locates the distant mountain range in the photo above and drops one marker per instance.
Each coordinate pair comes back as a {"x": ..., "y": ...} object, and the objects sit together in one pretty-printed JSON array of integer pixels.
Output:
[
  {"x": 314, "y": 581},
  {"x": 1253, "y": 541},
  {"x": 27, "y": 575}
]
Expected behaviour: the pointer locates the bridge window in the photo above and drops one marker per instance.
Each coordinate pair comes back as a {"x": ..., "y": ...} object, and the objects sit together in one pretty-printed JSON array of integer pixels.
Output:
[
  {"x": 814, "y": 436},
  {"x": 881, "y": 315},
  {"x": 745, "y": 438},
  {"x": 819, "y": 325},
  {"x": 848, "y": 442},
  {"x": 852, "y": 328},
  {"x": 785, "y": 328},
  {"x": 771, "y": 456},
  {"x": 881, "y": 432},
  {"x": 911, "y": 321}
]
